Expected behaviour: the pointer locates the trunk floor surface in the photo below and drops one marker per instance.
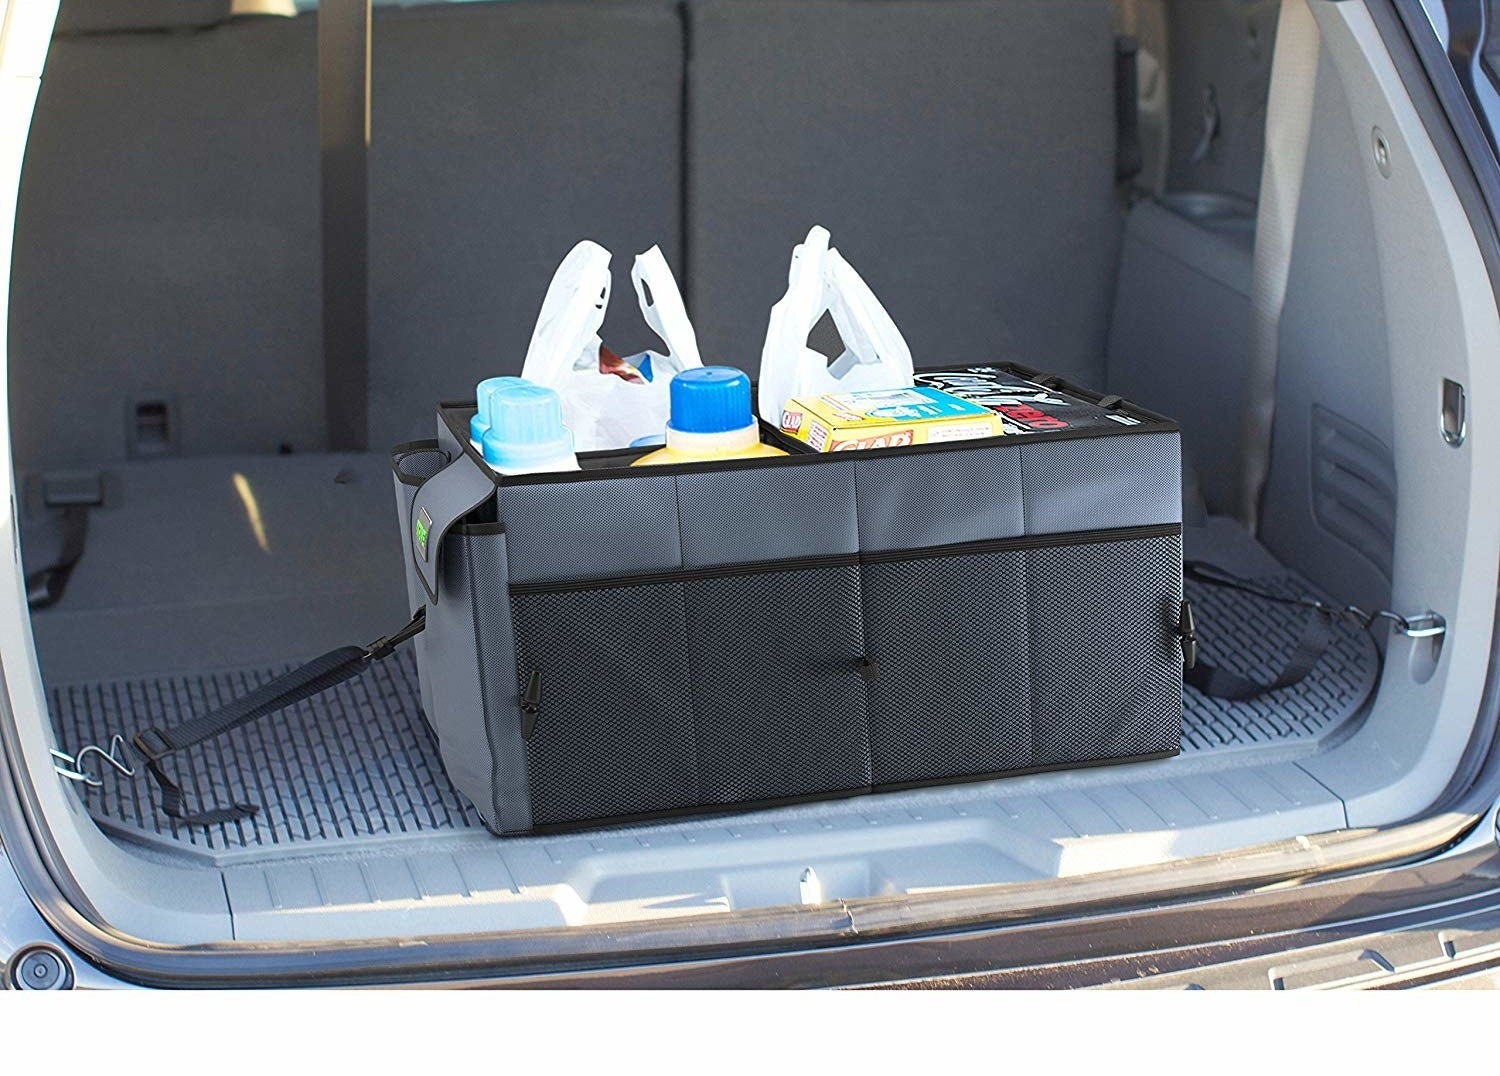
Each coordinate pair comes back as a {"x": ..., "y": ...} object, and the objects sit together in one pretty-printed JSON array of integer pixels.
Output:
[
  {"x": 358, "y": 766},
  {"x": 359, "y": 762}
]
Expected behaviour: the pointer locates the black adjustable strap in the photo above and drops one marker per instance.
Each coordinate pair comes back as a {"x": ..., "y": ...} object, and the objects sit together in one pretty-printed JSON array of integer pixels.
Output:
[
  {"x": 303, "y": 682},
  {"x": 1317, "y": 637},
  {"x": 45, "y": 586}
]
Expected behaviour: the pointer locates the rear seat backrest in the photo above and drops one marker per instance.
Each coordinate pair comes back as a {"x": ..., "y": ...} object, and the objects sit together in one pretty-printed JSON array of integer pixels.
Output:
[
  {"x": 961, "y": 153},
  {"x": 167, "y": 239},
  {"x": 502, "y": 133}
]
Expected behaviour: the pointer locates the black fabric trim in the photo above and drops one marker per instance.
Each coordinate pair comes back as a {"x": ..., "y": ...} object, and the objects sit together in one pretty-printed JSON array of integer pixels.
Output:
[
  {"x": 686, "y": 575},
  {"x": 842, "y": 560},
  {"x": 411, "y": 448},
  {"x": 615, "y": 463},
  {"x": 1024, "y": 542},
  {"x": 477, "y": 529}
]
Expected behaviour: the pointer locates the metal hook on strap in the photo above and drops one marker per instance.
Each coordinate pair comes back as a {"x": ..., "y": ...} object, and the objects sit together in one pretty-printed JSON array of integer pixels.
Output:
[{"x": 71, "y": 766}]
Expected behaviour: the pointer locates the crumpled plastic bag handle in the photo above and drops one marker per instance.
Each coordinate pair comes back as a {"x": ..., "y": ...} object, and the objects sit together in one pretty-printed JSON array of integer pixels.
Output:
[
  {"x": 662, "y": 307},
  {"x": 606, "y": 411},
  {"x": 572, "y": 312},
  {"x": 875, "y": 353}
]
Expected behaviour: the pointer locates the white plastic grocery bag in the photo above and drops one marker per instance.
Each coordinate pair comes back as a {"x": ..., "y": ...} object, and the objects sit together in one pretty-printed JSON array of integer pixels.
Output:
[
  {"x": 875, "y": 353},
  {"x": 608, "y": 402}
]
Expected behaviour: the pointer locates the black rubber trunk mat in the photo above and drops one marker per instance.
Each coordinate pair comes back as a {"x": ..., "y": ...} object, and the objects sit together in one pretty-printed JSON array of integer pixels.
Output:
[
  {"x": 359, "y": 762},
  {"x": 356, "y": 762}
]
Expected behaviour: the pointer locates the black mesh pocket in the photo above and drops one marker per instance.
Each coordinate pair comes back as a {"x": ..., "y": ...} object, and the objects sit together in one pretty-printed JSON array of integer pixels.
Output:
[
  {"x": 614, "y": 728},
  {"x": 1105, "y": 667},
  {"x": 780, "y": 697},
  {"x": 953, "y": 694}
]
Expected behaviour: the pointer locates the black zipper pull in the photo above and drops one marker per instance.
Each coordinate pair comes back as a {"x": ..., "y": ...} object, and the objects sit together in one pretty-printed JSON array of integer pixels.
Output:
[{"x": 531, "y": 704}]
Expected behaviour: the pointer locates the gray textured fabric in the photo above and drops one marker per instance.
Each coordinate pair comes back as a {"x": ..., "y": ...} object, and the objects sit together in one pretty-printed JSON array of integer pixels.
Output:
[
  {"x": 1106, "y": 671},
  {"x": 409, "y": 469},
  {"x": 744, "y": 516},
  {"x": 501, "y": 134},
  {"x": 503, "y": 748},
  {"x": 783, "y": 712},
  {"x": 1102, "y": 483},
  {"x": 107, "y": 16},
  {"x": 440, "y": 502},
  {"x": 909, "y": 502},
  {"x": 455, "y": 675},
  {"x": 588, "y": 530},
  {"x": 167, "y": 244},
  {"x": 962, "y": 155},
  {"x": 615, "y": 732}
]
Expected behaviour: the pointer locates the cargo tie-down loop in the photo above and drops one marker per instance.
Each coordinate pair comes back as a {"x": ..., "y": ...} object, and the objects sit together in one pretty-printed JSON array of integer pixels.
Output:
[{"x": 1317, "y": 635}]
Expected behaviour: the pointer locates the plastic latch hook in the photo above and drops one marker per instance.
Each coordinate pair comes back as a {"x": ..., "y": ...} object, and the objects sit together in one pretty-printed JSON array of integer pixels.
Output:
[
  {"x": 531, "y": 704},
  {"x": 1187, "y": 635}
]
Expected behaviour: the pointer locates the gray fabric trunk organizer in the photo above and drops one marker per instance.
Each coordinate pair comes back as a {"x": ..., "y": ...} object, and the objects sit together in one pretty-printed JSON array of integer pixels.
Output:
[{"x": 617, "y": 644}]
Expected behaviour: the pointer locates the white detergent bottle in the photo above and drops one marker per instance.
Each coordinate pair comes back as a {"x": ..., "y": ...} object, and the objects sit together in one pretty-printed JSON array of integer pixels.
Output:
[{"x": 519, "y": 428}]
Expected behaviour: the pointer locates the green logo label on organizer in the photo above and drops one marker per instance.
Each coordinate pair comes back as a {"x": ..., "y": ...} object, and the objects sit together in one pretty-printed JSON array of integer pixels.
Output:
[{"x": 422, "y": 528}]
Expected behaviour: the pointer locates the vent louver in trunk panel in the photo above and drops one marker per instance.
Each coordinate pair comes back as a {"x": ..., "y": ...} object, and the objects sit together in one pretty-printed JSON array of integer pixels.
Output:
[{"x": 1354, "y": 487}]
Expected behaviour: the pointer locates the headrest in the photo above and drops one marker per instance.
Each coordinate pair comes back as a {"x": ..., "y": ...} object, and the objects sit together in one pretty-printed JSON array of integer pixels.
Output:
[{"x": 112, "y": 16}]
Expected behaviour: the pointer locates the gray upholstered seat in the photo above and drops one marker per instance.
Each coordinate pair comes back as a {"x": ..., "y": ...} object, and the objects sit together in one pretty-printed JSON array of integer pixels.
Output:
[
  {"x": 502, "y": 133},
  {"x": 961, "y": 153},
  {"x": 167, "y": 238}
]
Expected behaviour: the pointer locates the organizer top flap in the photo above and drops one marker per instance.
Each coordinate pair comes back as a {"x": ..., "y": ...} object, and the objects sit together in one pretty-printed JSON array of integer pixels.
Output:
[{"x": 445, "y": 498}]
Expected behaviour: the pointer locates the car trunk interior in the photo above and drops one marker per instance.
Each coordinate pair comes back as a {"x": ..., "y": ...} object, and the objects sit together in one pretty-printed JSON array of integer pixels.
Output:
[{"x": 167, "y": 384}]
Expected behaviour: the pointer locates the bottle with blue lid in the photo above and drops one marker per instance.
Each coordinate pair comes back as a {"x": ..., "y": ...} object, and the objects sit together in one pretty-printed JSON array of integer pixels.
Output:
[
  {"x": 518, "y": 428},
  {"x": 711, "y": 419}
]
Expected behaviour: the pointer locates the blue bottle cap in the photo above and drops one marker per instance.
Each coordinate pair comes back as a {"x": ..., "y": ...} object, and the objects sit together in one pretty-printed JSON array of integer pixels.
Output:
[
  {"x": 523, "y": 424},
  {"x": 479, "y": 425},
  {"x": 710, "y": 399}
]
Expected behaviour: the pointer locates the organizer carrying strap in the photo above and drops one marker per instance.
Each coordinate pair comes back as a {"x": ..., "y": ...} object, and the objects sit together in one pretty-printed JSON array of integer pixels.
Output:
[
  {"x": 1221, "y": 683},
  {"x": 1317, "y": 635},
  {"x": 318, "y": 675}
]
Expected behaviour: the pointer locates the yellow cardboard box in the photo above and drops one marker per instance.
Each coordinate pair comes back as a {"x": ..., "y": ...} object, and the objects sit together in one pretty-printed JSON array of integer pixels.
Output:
[{"x": 886, "y": 418}]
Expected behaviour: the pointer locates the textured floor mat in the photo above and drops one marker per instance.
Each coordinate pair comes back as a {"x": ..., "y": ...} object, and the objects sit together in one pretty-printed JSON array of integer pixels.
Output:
[
  {"x": 1254, "y": 637},
  {"x": 360, "y": 762},
  {"x": 355, "y": 762}
]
